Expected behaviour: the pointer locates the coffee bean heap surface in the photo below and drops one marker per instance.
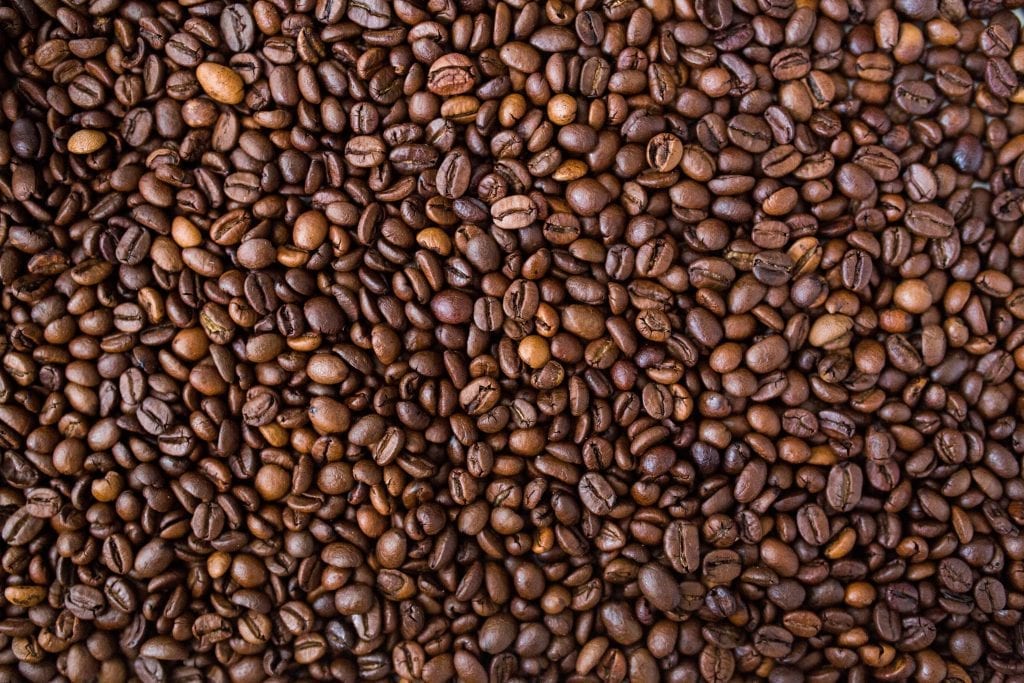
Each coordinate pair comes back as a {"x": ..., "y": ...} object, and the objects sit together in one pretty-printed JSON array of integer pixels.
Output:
[{"x": 511, "y": 340}]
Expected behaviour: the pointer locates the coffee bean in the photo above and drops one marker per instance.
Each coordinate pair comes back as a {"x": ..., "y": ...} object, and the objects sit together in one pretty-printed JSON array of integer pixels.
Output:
[
  {"x": 681, "y": 546},
  {"x": 453, "y": 176},
  {"x": 929, "y": 220},
  {"x": 513, "y": 212},
  {"x": 237, "y": 27},
  {"x": 86, "y": 141},
  {"x": 845, "y": 486},
  {"x": 750, "y": 133},
  {"x": 717, "y": 665},
  {"x": 220, "y": 83},
  {"x": 21, "y": 527},
  {"x": 86, "y": 91},
  {"x": 664, "y": 152},
  {"x": 596, "y": 493},
  {"x": 42, "y": 503},
  {"x": 451, "y": 74},
  {"x": 85, "y": 602},
  {"x": 658, "y": 586},
  {"x": 767, "y": 355},
  {"x": 25, "y": 138},
  {"x": 164, "y": 648},
  {"x": 715, "y": 14},
  {"x": 370, "y": 14},
  {"x": 154, "y": 415},
  {"x": 791, "y": 64},
  {"x": 367, "y": 340},
  {"x": 587, "y": 196},
  {"x": 813, "y": 524}
]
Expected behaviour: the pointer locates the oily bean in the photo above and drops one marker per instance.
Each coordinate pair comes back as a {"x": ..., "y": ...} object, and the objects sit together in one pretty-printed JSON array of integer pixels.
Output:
[
  {"x": 521, "y": 300},
  {"x": 25, "y": 139},
  {"x": 780, "y": 161},
  {"x": 767, "y": 354},
  {"x": 163, "y": 648}
]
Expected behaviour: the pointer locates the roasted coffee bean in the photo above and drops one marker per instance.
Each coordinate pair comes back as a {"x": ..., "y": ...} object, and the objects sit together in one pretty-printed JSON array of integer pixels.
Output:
[
  {"x": 514, "y": 212},
  {"x": 929, "y": 220},
  {"x": 682, "y": 546},
  {"x": 364, "y": 340},
  {"x": 845, "y": 486},
  {"x": 237, "y": 27},
  {"x": 451, "y": 74}
]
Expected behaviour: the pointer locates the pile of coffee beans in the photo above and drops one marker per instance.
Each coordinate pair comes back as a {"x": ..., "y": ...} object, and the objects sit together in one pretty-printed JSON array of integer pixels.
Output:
[{"x": 511, "y": 340}]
